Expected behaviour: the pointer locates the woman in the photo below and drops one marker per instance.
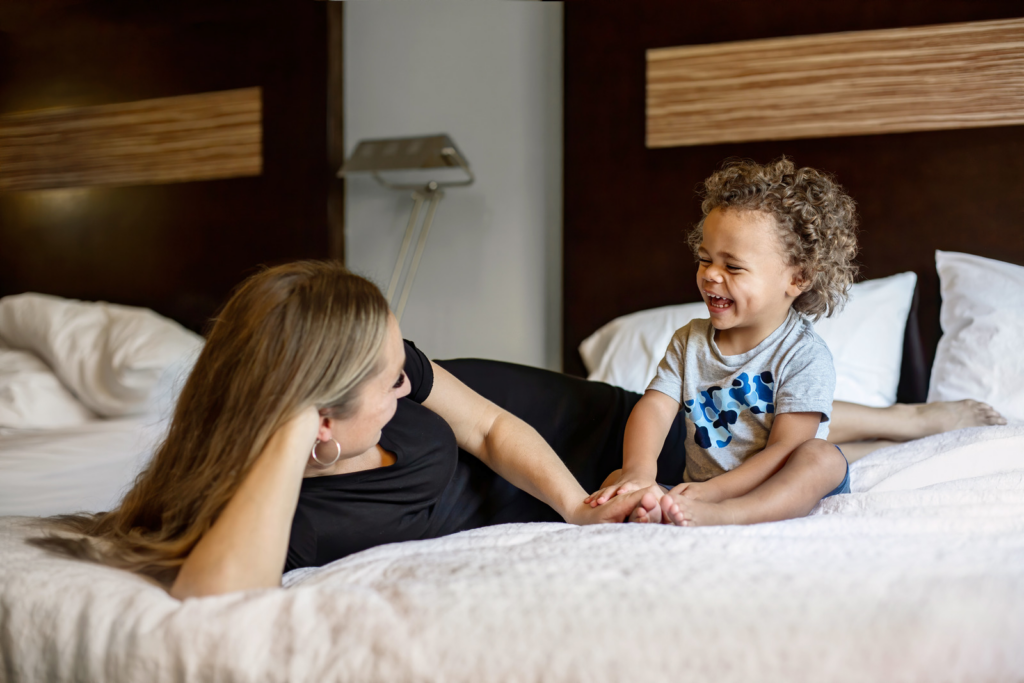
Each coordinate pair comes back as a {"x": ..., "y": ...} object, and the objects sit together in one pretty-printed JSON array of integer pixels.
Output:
[{"x": 309, "y": 430}]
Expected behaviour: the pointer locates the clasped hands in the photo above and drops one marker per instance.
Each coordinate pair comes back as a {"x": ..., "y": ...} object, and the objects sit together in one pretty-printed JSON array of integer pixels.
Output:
[{"x": 624, "y": 487}]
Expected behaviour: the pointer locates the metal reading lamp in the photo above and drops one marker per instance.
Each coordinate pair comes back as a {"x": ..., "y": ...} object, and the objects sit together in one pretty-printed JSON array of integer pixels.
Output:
[{"x": 409, "y": 154}]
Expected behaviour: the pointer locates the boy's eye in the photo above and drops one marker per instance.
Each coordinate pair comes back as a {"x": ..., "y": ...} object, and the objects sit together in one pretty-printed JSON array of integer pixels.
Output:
[
  {"x": 734, "y": 268},
  {"x": 400, "y": 382}
]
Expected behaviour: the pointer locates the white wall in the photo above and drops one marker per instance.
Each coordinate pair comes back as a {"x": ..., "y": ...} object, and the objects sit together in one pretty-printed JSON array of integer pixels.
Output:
[{"x": 488, "y": 73}]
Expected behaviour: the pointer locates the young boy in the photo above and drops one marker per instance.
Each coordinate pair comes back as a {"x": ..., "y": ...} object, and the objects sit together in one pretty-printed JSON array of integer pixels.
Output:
[{"x": 776, "y": 244}]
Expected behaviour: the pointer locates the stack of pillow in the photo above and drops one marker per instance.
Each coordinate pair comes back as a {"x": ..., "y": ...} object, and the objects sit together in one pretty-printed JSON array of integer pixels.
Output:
[
  {"x": 980, "y": 355},
  {"x": 64, "y": 363}
]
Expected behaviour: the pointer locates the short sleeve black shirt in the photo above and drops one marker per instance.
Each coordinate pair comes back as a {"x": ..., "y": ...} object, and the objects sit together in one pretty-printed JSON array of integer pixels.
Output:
[{"x": 422, "y": 495}]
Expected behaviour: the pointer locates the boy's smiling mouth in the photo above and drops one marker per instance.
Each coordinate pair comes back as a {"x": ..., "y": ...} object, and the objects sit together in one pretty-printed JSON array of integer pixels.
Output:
[{"x": 717, "y": 303}]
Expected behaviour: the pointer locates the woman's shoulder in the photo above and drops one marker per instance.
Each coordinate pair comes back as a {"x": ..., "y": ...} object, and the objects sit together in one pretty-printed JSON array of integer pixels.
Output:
[{"x": 419, "y": 372}]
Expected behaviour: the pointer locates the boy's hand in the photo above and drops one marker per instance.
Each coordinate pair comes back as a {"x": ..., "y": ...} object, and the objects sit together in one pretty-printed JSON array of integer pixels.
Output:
[
  {"x": 618, "y": 483},
  {"x": 698, "y": 490}
]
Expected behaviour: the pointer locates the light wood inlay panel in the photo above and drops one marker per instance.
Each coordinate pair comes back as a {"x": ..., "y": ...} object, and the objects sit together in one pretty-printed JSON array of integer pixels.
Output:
[
  {"x": 166, "y": 140},
  {"x": 968, "y": 75}
]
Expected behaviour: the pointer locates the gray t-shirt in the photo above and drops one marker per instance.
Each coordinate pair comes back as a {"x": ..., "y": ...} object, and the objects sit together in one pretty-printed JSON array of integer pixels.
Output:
[{"x": 731, "y": 401}]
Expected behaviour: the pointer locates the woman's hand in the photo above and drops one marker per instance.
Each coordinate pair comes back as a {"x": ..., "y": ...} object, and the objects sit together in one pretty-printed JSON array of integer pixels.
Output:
[
  {"x": 619, "y": 482},
  {"x": 300, "y": 432},
  {"x": 614, "y": 511}
]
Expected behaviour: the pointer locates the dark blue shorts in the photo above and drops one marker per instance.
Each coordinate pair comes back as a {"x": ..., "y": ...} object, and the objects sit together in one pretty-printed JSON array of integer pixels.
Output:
[{"x": 844, "y": 485}]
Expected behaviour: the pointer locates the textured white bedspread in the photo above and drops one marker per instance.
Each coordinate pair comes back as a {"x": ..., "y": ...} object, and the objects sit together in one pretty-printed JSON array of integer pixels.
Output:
[{"x": 917, "y": 576}]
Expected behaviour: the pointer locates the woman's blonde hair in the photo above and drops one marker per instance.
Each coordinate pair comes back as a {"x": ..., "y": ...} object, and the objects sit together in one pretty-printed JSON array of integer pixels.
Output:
[
  {"x": 305, "y": 333},
  {"x": 816, "y": 220}
]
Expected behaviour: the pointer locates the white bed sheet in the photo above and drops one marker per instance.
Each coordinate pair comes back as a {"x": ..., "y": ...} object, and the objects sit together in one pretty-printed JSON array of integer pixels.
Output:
[
  {"x": 921, "y": 582},
  {"x": 85, "y": 468}
]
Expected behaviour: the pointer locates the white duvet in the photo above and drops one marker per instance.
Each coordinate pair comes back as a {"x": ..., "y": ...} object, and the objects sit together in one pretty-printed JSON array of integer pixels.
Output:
[{"x": 916, "y": 576}]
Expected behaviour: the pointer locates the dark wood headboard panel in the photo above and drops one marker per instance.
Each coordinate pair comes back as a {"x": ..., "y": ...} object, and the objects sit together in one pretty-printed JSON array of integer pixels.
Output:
[
  {"x": 178, "y": 248},
  {"x": 627, "y": 208}
]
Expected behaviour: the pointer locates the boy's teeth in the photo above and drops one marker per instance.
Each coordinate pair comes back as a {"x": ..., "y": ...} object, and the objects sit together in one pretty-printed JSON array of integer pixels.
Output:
[{"x": 719, "y": 301}]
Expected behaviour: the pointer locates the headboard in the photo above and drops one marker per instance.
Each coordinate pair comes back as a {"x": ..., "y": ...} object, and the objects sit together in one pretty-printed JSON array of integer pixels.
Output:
[{"x": 628, "y": 207}]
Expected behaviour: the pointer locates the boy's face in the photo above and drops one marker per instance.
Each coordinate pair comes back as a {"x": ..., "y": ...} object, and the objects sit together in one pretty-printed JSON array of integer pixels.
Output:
[{"x": 743, "y": 275}]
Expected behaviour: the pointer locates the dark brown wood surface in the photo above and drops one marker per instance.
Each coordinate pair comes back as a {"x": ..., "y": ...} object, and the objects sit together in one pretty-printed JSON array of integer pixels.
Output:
[
  {"x": 628, "y": 208},
  {"x": 176, "y": 248},
  {"x": 206, "y": 136},
  {"x": 894, "y": 80}
]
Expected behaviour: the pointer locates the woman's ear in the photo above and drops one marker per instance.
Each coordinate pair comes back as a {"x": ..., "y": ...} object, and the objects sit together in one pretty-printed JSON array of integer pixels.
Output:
[{"x": 324, "y": 433}]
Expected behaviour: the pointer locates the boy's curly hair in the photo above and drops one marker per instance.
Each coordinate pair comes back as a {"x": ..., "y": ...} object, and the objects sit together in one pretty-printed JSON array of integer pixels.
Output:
[{"x": 817, "y": 223}]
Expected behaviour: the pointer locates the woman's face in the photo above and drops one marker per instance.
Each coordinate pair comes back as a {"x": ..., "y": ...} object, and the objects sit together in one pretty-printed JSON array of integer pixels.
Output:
[{"x": 377, "y": 402}]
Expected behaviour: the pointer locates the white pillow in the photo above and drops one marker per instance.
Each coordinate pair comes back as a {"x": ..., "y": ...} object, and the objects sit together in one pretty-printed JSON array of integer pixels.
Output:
[
  {"x": 31, "y": 396},
  {"x": 118, "y": 360},
  {"x": 865, "y": 338},
  {"x": 626, "y": 351},
  {"x": 981, "y": 353}
]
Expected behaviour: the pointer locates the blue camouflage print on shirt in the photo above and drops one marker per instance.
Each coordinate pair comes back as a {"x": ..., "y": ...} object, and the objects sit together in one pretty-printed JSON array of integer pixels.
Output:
[{"x": 720, "y": 408}]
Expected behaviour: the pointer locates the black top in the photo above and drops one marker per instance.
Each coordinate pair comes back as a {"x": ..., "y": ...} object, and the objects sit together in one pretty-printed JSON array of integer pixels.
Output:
[
  {"x": 344, "y": 513},
  {"x": 434, "y": 488}
]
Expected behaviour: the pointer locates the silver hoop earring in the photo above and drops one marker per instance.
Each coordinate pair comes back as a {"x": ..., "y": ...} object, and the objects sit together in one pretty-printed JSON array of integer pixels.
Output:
[{"x": 336, "y": 455}]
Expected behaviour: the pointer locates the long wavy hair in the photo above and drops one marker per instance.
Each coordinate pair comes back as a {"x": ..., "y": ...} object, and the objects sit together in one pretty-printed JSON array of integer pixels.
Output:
[
  {"x": 816, "y": 221},
  {"x": 305, "y": 333}
]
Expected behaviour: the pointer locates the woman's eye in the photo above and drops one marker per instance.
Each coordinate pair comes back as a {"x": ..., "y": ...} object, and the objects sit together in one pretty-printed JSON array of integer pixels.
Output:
[{"x": 400, "y": 382}]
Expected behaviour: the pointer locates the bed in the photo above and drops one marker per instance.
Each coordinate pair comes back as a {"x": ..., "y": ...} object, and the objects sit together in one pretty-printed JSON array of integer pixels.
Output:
[{"x": 916, "y": 575}]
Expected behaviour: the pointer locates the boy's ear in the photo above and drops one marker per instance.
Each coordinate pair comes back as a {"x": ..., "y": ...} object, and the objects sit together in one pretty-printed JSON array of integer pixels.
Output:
[{"x": 799, "y": 283}]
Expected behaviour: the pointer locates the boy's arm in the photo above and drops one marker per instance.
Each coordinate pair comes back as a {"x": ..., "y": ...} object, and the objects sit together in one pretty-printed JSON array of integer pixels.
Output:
[
  {"x": 789, "y": 430},
  {"x": 646, "y": 429}
]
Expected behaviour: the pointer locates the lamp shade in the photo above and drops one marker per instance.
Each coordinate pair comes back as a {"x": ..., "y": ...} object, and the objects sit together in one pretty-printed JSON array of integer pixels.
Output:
[{"x": 404, "y": 154}]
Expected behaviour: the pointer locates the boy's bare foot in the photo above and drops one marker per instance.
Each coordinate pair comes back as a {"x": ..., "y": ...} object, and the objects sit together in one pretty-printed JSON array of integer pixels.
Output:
[
  {"x": 648, "y": 511},
  {"x": 683, "y": 511},
  {"x": 945, "y": 416}
]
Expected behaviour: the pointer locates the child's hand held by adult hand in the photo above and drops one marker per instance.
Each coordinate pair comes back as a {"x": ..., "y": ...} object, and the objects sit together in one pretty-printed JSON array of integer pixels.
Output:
[
  {"x": 622, "y": 482},
  {"x": 616, "y": 510}
]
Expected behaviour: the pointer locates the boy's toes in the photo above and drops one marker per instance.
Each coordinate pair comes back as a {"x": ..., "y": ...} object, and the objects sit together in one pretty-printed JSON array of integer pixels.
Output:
[
  {"x": 639, "y": 516},
  {"x": 671, "y": 512}
]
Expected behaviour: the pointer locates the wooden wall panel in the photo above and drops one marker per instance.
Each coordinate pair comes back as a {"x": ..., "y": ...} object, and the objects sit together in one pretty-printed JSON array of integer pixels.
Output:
[
  {"x": 165, "y": 140},
  {"x": 963, "y": 75}
]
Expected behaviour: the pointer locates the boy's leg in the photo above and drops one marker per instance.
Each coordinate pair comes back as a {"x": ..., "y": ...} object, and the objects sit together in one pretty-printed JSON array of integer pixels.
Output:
[
  {"x": 812, "y": 471},
  {"x": 902, "y": 422}
]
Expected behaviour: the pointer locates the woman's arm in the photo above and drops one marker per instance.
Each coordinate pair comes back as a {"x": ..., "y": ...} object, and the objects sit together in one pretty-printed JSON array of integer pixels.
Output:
[
  {"x": 789, "y": 430},
  {"x": 515, "y": 450},
  {"x": 246, "y": 547}
]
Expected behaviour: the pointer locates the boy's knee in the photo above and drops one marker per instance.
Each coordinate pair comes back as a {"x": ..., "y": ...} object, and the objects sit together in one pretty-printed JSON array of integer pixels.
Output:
[{"x": 822, "y": 453}]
